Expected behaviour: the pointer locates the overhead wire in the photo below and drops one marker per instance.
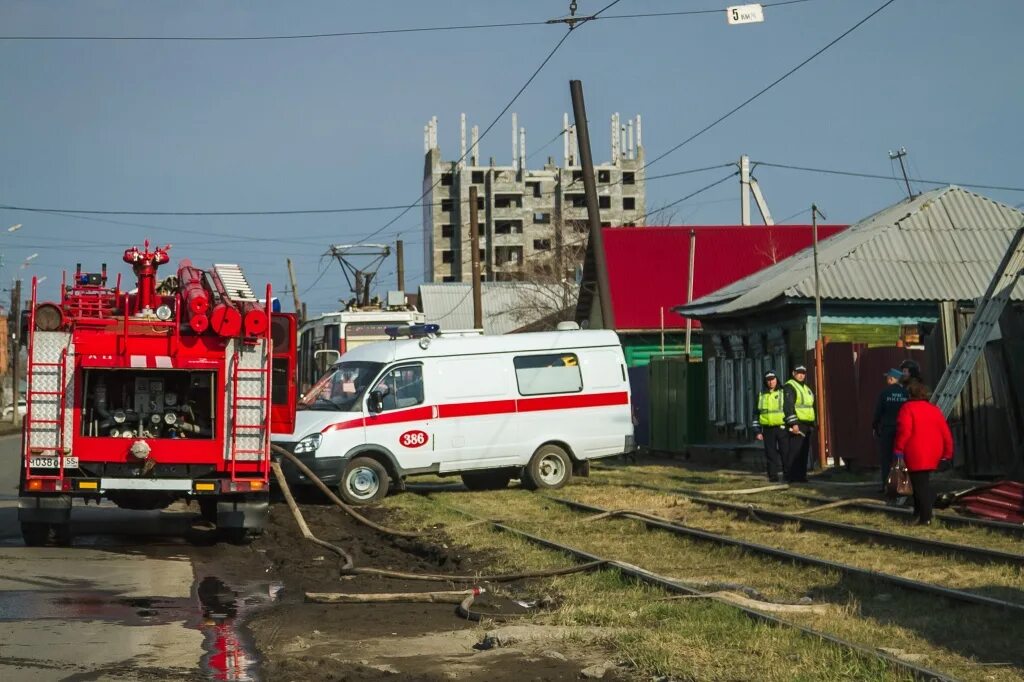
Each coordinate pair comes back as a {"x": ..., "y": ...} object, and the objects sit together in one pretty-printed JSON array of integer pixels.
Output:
[
  {"x": 876, "y": 176},
  {"x": 367, "y": 32},
  {"x": 768, "y": 87}
]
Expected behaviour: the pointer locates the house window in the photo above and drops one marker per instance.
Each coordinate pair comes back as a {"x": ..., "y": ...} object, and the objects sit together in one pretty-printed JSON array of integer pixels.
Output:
[
  {"x": 508, "y": 255},
  {"x": 534, "y": 188},
  {"x": 541, "y": 244},
  {"x": 448, "y": 278},
  {"x": 604, "y": 224},
  {"x": 578, "y": 225},
  {"x": 541, "y": 218},
  {"x": 508, "y": 201},
  {"x": 447, "y": 256},
  {"x": 446, "y": 179},
  {"x": 446, "y": 205},
  {"x": 478, "y": 177},
  {"x": 508, "y": 227},
  {"x": 577, "y": 175},
  {"x": 576, "y": 200},
  {"x": 604, "y": 176},
  {"x": 628, "y": 178},
  {"x": 548, "y": 374},
  {"x": 447, "y": 231},
  {"x": 604, "y": 202},
  {"x": 628, "y": 203}
]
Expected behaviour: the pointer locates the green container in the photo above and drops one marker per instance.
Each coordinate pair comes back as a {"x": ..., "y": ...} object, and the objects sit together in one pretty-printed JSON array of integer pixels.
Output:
[
  {"x": 678, "y": 403},
  {"x": 641, "y": 355}
]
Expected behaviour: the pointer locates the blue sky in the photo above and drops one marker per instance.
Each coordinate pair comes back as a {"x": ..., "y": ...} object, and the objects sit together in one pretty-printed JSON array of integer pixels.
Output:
[{"x": 338, "y": 122}]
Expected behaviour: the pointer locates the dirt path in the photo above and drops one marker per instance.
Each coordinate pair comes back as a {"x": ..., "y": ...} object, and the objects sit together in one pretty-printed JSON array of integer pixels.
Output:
[{"x": 303, "y": 641}]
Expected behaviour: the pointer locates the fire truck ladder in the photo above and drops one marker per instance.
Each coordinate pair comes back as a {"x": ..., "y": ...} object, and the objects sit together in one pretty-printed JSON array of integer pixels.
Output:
[
  {"x": 248, "y": 429},
  {"x": 235, "y": 283},
  {"x": 60, "y": 394},
  {"x": 986, "y": 317}
]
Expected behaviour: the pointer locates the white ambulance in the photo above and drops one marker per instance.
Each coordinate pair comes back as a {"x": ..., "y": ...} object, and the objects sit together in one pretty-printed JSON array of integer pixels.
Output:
[{"x": 536, "y": 407}]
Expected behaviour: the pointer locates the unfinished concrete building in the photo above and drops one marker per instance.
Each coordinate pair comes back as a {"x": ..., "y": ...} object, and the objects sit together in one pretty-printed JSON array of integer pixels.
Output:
[{"x": 532, "y": 223}]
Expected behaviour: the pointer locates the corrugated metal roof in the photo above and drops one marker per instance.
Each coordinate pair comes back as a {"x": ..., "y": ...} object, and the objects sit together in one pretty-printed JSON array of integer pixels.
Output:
[
  {"x": 507, "y": 306},
  {"x": 939, "y": 246}
]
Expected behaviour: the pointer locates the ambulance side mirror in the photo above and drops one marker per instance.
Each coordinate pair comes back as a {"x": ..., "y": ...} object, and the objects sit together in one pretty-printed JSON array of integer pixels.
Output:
[{"x": 376, "y": 401}]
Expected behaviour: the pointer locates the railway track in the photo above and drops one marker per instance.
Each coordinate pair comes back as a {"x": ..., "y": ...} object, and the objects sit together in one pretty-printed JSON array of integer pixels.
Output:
[
  {"x": 899, "y": 512},
  {"x": 642, "y": 575},
  {"x": 861, "y": 533},
  {"x": 931, "y": 589}
]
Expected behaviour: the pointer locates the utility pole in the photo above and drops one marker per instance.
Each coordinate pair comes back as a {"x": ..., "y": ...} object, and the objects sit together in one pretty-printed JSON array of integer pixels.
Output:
[
  {"x": 579, "y": 111},
  {"x": 899, "y": 155},
  {"x": 295, "y": 293},
  {"x": 689, "y": 288},
  {"x": 819, "y": 348},
  {"x": 474, "y": 244},
  {"x": 15, "y": 329},
  {"x": 744, "y": 190},
  {"x": 400, "y": 264}
]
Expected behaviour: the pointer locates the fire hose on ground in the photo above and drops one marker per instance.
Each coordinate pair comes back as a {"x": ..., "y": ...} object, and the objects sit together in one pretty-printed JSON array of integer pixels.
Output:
[
  {"x": 464, "y": 609},
  {"x": 348, "y": 566}
]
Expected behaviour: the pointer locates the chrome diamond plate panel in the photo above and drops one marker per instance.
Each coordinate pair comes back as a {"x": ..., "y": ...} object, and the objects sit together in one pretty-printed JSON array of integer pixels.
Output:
[
  {"x": 251, "y": 415},
  {"x": 50, "y": 347}
]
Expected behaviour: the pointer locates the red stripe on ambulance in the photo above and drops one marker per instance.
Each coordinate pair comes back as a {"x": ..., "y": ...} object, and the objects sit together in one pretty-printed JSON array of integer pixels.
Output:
[{"x": 450, "y": 411}]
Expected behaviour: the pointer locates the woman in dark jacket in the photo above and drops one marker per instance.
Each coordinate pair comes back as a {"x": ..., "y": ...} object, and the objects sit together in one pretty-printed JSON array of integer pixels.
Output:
[{"x": 923, "y": 439}]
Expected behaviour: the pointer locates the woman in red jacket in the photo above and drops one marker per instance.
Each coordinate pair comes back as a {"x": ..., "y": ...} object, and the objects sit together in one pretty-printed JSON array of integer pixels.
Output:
[{"x": 923, "y": 440}]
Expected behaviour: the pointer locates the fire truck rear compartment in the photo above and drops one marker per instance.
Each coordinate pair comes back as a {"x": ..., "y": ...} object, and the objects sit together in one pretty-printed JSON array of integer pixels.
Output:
[{"x": 146, "y": 403}]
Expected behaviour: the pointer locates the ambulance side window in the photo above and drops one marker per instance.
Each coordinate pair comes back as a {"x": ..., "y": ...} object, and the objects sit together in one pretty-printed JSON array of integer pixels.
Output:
[
  {"x": 402, "y": 387},
  {"x": 548, "y": 374}
]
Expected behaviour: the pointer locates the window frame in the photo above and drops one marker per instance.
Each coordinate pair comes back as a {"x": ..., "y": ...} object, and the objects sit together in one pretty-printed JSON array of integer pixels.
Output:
[
  {"x": 561, "y": 355},
  {"x": 385, "y": 373}
]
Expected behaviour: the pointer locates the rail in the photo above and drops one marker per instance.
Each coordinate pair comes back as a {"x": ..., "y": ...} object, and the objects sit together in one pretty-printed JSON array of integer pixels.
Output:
[{"x": 794, "y": 557}]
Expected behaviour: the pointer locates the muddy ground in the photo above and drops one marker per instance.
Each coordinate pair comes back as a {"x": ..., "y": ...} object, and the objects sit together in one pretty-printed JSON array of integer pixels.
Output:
[{"x": 297, "y": 640}]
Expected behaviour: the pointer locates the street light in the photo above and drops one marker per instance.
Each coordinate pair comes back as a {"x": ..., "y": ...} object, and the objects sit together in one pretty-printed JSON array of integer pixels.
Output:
[
  {"x": 28, "y": 260},
  {"x": 14, "y": 228}
]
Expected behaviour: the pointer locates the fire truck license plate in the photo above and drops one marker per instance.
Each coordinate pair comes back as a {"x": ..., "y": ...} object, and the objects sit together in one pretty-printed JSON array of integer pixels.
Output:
[{"x": 52, "y": 462}]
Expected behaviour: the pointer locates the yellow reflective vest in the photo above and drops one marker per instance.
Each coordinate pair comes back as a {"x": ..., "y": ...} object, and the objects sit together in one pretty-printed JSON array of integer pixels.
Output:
[
  {"x": 803, "y": 406},
  {"x": 769, "y": 408}
]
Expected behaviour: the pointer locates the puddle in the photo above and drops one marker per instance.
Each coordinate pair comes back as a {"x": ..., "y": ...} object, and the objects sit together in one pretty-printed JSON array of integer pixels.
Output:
[{"x": 230, "y": 653}]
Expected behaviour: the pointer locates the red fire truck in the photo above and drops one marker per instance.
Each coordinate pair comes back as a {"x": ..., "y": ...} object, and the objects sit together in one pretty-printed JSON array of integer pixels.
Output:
[{"x": 144, "y": 397}]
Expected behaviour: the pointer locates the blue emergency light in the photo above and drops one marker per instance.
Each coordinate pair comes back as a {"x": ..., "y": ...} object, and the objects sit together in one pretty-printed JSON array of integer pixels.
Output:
[{"x": 413, "y": 331}]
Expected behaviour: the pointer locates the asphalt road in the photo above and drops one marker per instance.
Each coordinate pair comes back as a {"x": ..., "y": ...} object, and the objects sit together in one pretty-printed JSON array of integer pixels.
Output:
[{"x": 130, "y": 599}]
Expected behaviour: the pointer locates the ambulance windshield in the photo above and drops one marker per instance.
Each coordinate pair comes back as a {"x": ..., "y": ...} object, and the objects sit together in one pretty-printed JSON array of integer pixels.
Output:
[{"x": 342, "y": 388}]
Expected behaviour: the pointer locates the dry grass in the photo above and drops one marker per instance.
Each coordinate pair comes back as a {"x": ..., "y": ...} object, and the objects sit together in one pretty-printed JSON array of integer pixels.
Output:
[
  {"x": 696, "y": 639},
  {"x": 674, "y": 476},
  {"x": 690, "y": 639}
]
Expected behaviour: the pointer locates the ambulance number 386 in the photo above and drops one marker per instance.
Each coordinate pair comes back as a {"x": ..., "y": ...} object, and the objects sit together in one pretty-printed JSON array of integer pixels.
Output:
[{"x": 413, "y": 439}]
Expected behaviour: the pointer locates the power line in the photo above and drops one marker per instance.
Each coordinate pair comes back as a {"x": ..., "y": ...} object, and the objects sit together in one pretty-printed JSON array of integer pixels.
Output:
[
  {"x": 297, "y": 36},
  {"x": 364, "y": 33},
  {"x": 874, "y": 176},
  {"x": 301, "y": 211},
  {"x": 689, "y": 196},
  {"x": 483, "y": 135},
  {"x": 768, "y": 87}
]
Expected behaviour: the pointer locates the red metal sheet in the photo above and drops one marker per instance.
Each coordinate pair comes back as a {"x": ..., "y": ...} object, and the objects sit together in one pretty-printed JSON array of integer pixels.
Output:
[{"x": 648, "y": 267}]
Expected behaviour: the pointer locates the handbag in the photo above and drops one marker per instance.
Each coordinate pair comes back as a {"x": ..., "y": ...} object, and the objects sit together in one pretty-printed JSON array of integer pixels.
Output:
[{"x": 898, "y": 484}]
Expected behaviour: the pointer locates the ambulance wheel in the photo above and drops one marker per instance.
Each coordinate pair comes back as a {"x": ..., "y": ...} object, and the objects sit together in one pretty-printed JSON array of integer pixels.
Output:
[
  {"x": 491, "y": 479},
  {"x": 549, "y": 469},
  {"x": 35, "y": 534},
  {"x": 363, "y": 481}
]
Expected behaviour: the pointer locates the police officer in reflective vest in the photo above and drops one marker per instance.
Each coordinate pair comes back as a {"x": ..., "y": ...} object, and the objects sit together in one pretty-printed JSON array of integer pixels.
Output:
[
  {"x": 798, "y": 408},
  {"x": 768, "y": 425}
]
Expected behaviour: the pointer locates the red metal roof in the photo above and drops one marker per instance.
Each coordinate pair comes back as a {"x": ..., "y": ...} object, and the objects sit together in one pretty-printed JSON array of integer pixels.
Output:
[{"x": 648, "y": 267}]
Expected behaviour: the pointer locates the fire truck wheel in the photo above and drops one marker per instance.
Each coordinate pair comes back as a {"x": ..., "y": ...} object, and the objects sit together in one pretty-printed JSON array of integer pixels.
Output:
[
  {"x": 35, "y": 534},
  {"x": 62, "y": 534},
  {"x": 241, "y": 536},
  {"x": 491, "y": 479},
  {"x": 549, "y": 468},
  {"x": 363, "y": 481}
]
